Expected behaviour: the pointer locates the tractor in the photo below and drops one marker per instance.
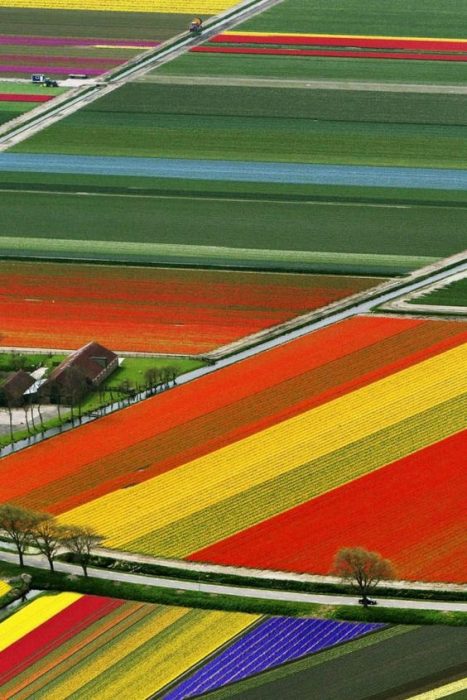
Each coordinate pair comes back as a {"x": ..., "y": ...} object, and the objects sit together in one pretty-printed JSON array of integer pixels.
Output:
[{"x": 196, "y": 26}]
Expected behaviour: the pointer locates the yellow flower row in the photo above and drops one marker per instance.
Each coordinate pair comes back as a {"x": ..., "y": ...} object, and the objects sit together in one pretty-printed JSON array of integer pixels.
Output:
[
  {"x": 253, "y": 461},
  {"x": 156, "y": 664},
  {"x": 101, "y": 662},
  {"x": 206, "y": 7},
  {"x": 307, "y": 481},
  {"x": 4, "y": 587},
  {"x": 163, "y": 643},
  {"x": 32, "y": 615}
]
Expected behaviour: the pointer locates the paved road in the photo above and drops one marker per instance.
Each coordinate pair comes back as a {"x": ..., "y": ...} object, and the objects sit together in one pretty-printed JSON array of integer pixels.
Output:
[
  {"x": 258, "y": 593},
  {"x": 243, "y": 171}
]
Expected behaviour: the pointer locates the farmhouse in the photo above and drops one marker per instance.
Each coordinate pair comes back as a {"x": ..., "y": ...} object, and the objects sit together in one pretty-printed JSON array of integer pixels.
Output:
[
  {"x": 13, "y": 386},
  {"x": 82, "y": 370}
]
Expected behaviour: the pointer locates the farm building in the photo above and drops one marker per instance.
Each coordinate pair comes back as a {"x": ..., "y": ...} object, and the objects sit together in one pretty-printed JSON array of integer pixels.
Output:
[
  {"x": 82, "y": 370},
  {"x": 13, "y": 387}
]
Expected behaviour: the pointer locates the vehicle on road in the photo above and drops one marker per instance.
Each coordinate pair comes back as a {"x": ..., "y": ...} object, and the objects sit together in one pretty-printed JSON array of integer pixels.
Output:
[{"x": 196, "y": 25}]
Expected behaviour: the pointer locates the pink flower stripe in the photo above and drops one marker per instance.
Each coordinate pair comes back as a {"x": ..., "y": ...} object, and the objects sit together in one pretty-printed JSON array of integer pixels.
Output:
[
  {"x": 330, "y": 54},
  {"x": 14, "y": 40},
  {"x": 55, "y": 70},
  {"x": 72, "y": 60},
  {"x": 51, "y": 634},
  {"x": 349, "y": 41},
  {"x": 16, "y": 97}
]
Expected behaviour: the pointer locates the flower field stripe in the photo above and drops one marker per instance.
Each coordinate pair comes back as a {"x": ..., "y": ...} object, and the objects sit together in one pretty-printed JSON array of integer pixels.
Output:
[
  {"x": 73, "y": 61},
  {"x": 96, "y": 661},
  {"x": 292, "y": 488},
  {"x": 209, "y": 7},
  {"x": 356, "y": 41},
  {"x": 33, "y": 615},
  {"x": 307, "y": 536},
  {"x": 43, "y": 68},
  {"x": 52, "y": 633},
  {"x": 257, "y": 399},
  {"x": 18, "y": 97},
  {"x": 137, "y": 426},
  {"x": 270, "y": 644},
  {"x": 4, "y": 587},
  {"x": 19, "y": 40},
  {"x": 142, "y": 309},
  {"x": 235, "y": 421},
  {"x": 79, "y": 647},
  {"x": 330, "y": 53},
  {"x": 274, "y": 451},
  {"x": 165, "y": 656}
]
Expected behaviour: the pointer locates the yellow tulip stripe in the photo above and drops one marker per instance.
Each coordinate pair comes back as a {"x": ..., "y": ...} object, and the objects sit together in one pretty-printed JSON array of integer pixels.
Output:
[
  {"x": 140, "y": 658},
  {"x": 204, "y": 7},
  {"x": 166, "y": 656},
  {"x": 4, "y": 587},
  {"x": 277, "y": 452},
  {"x": 32, "y": 615},
  {"x": 153, "y": 620},
  {"x": 254, "y": 505}
]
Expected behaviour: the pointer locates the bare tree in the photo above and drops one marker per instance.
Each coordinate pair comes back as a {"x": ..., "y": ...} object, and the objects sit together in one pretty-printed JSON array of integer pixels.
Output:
[
  {"x": 80, "y": 541},
  {"x": 362, "y": 569},
  {"x": 48, "y": 537},
  {"x": 19, "y": 525}
]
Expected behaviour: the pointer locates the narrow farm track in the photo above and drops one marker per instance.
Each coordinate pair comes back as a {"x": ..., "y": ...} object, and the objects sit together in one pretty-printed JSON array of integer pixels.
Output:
[
  {"x": 135, "y": 68},
  {"x": 359, "y": 85}
]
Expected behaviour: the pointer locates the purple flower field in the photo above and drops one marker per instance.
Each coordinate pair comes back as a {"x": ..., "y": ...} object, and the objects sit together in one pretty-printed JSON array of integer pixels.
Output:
[{"x": 271, "y": 643}]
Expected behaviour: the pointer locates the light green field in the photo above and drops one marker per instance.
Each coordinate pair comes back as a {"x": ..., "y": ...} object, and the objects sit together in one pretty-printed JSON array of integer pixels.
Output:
[
  {"x": 429, "y": 18},
  {"x": 228, "y": 224},
  {"x": 266, "y": 124},
  {"x": 314, "y": 68}
]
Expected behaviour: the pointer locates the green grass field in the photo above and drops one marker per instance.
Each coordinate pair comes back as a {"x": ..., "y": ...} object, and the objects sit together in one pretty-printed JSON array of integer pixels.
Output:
[
  {"x": 454, "y": 294},
  {"x": 313, "y": 68},
  {"x": 268, "y": 124},
  {"x": 429, "y": 18},
  {"x": 222, "y": 224}
]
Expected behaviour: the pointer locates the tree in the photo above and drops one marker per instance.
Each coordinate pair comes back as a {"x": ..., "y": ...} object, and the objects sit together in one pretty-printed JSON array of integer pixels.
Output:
[
  {"x": 362, "y": 569},
  {"x": 80, "y": 541},
  {"x": 48, "y": 537},
  {"x": 19, "y": 525}
]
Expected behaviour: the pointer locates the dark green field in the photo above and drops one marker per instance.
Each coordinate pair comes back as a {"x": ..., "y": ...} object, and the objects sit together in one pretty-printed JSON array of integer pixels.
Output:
[
  {"x": 268, "y": 124},
  {"x": 388, "y": 668},
  {"x": 454, "y": 294},
  {"x": 313, "y": 68},
  {"x": 104, "y": 25},
  {"x": 222, "y": 224},
  {"x": 429, "y": 18}
]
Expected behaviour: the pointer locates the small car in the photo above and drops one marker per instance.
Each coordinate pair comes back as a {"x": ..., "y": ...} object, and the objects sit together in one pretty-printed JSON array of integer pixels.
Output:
[{"x": 367, "y": 601}]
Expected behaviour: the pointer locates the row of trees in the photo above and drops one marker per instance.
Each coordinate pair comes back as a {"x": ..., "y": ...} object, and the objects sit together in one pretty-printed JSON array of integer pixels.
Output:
[
  {"x": 26, "y": 528},
  {"x": 72, "y": 394}
]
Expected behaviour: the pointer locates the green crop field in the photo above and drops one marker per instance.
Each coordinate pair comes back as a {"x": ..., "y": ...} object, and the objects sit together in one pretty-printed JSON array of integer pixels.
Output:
[
  {"x": 454, "y": 294},
  {"x": 254, "y": 225},
  {"x": 109, "y": 25},
  {"x": 266, "y": 124},
  {"x": 393, "y": 663},
  {"x": 429, "y": 18},
  {"x": 312, "y": 68}
]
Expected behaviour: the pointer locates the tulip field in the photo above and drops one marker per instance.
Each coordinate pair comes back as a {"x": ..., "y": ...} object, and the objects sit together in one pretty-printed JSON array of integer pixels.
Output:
[
  {"x": 299, "y": 422},
  {"x": 152, "y": 309},
  {"x": 88, "y": 646}
]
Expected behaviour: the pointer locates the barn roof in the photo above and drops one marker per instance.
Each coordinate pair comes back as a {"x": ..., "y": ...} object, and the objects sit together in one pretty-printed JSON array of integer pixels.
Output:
[{"x": 91, "y": 359}]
